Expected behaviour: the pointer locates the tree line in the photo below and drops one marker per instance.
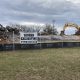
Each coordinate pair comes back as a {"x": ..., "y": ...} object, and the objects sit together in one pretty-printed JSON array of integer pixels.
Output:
[{"x": 45, "y": 30}]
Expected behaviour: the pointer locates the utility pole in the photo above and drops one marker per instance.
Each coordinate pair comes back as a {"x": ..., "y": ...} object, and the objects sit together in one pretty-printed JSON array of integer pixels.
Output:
[
  {"x": 53, "y": 22},
  {"x": 13, "y": 40},
  {"x": 40, "y": 40}
]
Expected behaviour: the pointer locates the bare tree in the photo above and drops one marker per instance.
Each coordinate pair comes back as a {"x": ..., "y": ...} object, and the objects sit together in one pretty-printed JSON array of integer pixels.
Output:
[
  {"x": 49, "y": 29},
  {"x": 3, "y": 32},
  {"x": 12, "y": 28}
]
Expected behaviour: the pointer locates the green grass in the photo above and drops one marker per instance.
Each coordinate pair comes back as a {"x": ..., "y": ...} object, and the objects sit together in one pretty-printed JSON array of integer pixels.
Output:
[{"x": 44, "y": 64}]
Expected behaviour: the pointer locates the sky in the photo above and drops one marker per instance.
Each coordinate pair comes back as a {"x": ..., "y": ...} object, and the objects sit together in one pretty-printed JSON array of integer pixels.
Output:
[
  {"x": 40, "y": 12},
  {"x": 70, "y": 31}
]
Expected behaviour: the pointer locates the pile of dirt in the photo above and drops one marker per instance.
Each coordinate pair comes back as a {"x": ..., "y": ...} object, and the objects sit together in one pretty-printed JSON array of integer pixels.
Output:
[{"x": 5, "y": 41}]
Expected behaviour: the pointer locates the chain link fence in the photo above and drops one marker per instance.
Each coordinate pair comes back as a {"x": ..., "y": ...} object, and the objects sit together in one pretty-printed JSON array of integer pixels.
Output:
[{"x": 6, "y": 47}]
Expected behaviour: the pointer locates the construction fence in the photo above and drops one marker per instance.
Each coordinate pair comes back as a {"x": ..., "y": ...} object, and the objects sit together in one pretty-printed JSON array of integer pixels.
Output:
[{"x": 6, "y": 47}]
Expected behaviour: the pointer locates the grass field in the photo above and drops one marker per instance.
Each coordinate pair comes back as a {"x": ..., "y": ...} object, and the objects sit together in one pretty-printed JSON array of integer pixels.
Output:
[{"x": 44, "y": 64}]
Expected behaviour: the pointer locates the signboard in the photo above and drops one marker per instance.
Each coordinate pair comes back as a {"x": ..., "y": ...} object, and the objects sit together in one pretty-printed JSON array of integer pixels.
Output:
[{"x": 28, "y": 38}]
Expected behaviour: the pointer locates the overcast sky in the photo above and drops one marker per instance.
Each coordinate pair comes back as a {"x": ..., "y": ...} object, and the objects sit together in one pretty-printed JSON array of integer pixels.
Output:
[{"x": 39, "y": 11}]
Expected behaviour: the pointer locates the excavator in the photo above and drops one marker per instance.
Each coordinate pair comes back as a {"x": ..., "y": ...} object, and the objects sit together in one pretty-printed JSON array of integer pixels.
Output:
[{"x": 70, "y": 25}]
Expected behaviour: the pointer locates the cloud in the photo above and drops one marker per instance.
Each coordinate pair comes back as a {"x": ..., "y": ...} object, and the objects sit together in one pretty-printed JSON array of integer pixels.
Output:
[
  {"x": 39, "y": 11},
  {"x": 74, "y": 1}
]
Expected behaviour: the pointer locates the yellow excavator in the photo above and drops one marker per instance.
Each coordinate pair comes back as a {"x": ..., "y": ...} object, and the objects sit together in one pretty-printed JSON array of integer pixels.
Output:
[{"x": 70, "y": 25}]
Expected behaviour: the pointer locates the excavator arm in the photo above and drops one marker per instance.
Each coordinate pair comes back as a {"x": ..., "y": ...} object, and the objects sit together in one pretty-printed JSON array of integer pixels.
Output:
[{"x": 70, "y": 25}]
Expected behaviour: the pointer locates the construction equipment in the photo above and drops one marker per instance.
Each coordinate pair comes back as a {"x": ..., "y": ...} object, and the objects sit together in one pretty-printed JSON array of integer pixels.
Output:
[{"x": 69, "y": 25}]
